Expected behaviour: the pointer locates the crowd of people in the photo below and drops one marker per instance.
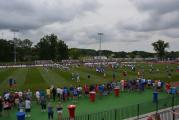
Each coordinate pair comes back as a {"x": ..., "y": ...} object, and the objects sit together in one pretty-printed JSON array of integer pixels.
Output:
[{"x": 22, "y": 100}]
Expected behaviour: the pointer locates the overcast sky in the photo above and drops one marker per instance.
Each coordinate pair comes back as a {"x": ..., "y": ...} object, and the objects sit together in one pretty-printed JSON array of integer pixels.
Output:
[{"x": 127, "y": 25}]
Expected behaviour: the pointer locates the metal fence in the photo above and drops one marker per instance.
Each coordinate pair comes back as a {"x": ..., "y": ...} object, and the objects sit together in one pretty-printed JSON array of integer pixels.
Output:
[
  {"x": 164, "y": 115},
  {"x": 134, "y": 111}
]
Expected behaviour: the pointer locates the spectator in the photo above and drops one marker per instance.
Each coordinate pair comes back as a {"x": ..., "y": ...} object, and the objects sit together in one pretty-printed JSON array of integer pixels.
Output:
[
  {"x": 10, "y": 82},
  {"x": 159, "y": 85},
  {"x": 61, "y": 93},
  {"x": 27, "y": 107},
  {"x": 65, "y": 93},
  {"x": 48, "y": 93},
  {"x": 20, "y": 105},
  {"x": 58, "y": 92},
  {"x": 37, "y": 95},
  {"x": 14, "y": 83},
  {"x": 1, "y": 106},
  {"x": 50, "y": 111},
  {"x": 43, "y": 103},
  {"x": 54, "y": 92},
  {"x": 79, "y": 89},
  {"x": 167, "y": 87},
  {"x": 75, "y": 93},
  {"x": 59, "y": 111},
  {"x": 6, "y": 106},
  {"x": 86, "y": 89}
]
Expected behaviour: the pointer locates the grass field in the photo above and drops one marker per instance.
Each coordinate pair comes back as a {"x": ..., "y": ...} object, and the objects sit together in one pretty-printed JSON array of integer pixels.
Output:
[
  {"x": 40, "y": 78},
  {"x": 128, "y": 101}
]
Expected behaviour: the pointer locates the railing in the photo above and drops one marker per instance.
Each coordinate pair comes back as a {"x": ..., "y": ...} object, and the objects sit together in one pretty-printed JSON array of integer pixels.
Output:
[{"x": 136, "y": 111}]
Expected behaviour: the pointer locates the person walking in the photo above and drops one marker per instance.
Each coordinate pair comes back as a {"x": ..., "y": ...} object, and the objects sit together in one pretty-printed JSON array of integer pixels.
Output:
[
  {"x": 54, "y": 92},
  {"x": 43, "y": 103},
  {"x": 37, "y": 95},
  {"x": 50, "y": 111},
  {"x": 27, "y": 107},
  {"x": 59, "y": 111},
  {"x": 48, "y": 93},
  {"x": 1, "y": 106}
]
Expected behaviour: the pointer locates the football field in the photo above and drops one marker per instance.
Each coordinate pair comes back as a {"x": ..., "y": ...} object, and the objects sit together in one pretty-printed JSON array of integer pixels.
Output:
[{"x": 40, "y": 78}]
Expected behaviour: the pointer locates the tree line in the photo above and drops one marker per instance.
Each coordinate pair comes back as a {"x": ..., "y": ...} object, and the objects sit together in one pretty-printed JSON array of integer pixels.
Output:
[{"x": 50, "y": 47}]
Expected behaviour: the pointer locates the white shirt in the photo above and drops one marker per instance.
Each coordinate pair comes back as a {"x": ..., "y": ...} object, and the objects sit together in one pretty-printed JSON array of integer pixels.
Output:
[
  {"x": 37, "y": 94},
  {"x": 20, "y": 94},
  {"x": 58, "y": 90},
  {"x": 27, "y": 104},
  {"x": 79, "y": 88},
  {"x": 6, "y": 96},
  {"x": 149, "y": 81},
  {"x": 61, "y": 91},
  {"x": 159, "y": 83}
]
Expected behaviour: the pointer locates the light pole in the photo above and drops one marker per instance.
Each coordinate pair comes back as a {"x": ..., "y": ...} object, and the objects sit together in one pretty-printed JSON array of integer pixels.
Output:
[
  {"x": 14, "y": 32},
  {"x": 2, "y": 34},
  {"x": 100, "y": 37}
]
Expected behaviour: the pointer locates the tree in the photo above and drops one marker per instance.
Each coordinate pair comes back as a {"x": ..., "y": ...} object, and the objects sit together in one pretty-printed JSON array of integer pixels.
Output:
[
  {"x": 74, "y": 53},
  {"x": 171, "y": 55},
  {"x": 6, "y": 50},
  {"x": 121, "y": 54},
  {"x": 159, "y": 47},
  {"x": 51, "y": 48},
  {"x": 62, "y": 50},
  {"x": 24, "y": 49},
  {"x": 106, "y": 53}
]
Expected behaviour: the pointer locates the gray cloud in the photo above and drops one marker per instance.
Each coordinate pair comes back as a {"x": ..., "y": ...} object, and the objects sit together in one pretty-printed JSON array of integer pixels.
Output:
[
  {"x": 33, "y": 14},
  {"x": 127, "y": 24},
  {"x": 157, "y": 6},
  {"x": 173, "y": 33},
  {"x": 161, "y": 15}
]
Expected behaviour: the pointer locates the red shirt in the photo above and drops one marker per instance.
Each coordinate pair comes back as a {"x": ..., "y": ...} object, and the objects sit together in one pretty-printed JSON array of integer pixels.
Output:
[{"x": 168, "y": 86}]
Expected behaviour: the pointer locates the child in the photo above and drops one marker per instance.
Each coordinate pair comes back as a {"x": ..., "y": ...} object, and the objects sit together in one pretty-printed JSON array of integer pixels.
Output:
[
  {"x": 48, "y": 93},
  {"x": 59, "y": 111},
  {"x": 1, "y": 106},
  {"x": 7, "y": 106},
  {"x": 43, "y": 103},
  {"x": 10, "y": 82},
  {"x": 50, "y": 111},
  {"x": 20, "y": 105},
  {"x": 37, "y": 95},
  {"x": 27, "y": 107}
]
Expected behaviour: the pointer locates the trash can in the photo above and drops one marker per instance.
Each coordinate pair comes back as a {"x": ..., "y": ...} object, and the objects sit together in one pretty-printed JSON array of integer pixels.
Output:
[
  {"x": 155, "y": 97},
  {"x": 92, "y": 96},
  {"x": 173, "y": 90},
  {"x": 20, "y": 115},
  {"x": 116, "y": 91},
  {"x": 71, "y": 109},
  {"x": 149, "y": 118}
]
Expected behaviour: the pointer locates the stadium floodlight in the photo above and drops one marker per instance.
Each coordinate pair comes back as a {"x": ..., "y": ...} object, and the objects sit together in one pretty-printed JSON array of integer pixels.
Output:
[
  {"x": 100, "y": 37},
  {"x": 14, "y": 32},
  {"x": 2, "y": 35}
]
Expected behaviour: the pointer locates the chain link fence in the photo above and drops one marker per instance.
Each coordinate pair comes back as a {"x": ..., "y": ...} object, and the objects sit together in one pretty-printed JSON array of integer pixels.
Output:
[{"x": 137, "y": 112}]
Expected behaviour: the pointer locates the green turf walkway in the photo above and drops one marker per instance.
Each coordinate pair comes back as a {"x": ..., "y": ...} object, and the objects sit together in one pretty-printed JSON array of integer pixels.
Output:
[{"x": 101, "y": 104}]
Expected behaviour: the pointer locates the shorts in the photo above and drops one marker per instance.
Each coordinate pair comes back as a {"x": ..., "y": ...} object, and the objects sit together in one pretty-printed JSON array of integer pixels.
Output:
[
  {"x": 59, "y": 111},
  {"x": 7, "y": 108},
  {"x": 27, "y": 110}
]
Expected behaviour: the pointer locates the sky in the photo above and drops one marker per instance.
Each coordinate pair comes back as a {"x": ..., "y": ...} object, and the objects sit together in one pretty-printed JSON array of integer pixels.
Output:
[{"x": 127, "y": 25}]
